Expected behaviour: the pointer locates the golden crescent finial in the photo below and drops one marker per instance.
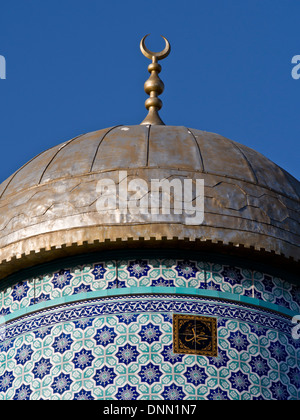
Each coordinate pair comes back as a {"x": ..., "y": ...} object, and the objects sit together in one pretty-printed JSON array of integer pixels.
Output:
[
  {"x": 154, "y": 86},
  {"x": 159, "y": 55}
]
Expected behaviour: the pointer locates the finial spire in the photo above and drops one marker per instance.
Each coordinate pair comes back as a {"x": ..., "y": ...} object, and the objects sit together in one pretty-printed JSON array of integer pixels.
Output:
[{"x": 154, "y": 85}]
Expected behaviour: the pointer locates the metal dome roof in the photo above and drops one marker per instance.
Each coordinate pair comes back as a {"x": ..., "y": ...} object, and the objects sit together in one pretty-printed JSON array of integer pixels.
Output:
[{"x": 48, "y": 207}]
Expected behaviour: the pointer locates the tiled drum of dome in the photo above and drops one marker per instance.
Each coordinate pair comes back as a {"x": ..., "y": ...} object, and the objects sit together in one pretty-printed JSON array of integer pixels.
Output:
[
  {"x": 121, "y": 347},
  {"x": 79, "y": 353},
  {"x": 149, "y": 273}
]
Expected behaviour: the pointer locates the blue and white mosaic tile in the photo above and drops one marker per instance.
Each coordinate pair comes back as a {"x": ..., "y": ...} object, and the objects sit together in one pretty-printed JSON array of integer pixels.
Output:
[
  {"x": 122, "y": 348},
  {"x": 150, "y": 273}
]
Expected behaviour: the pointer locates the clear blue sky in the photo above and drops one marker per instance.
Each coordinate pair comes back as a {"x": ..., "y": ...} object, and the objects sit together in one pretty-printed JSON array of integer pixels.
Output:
[{"x": 74, "y": 66}]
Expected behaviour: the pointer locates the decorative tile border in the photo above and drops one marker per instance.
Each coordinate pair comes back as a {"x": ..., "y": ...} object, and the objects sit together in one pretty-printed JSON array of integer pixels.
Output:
[
  {"x": 128, "y": 303},
  {"x": 111, "y": 274}
]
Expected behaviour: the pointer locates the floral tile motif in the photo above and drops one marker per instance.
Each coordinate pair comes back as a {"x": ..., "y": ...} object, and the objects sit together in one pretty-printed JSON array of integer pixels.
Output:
[
  {"x": 138, "y": 268},
  {"x": 186, "y": 269},
  {"x": 96, "y": 350}
]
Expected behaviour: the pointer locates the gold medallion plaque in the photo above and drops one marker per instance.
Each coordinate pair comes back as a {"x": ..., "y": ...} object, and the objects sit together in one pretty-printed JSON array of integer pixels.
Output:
[{"x": 195, "y": 335}]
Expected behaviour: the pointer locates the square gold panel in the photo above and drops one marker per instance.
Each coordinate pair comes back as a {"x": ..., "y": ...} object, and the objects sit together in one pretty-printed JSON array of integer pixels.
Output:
[{"x": 195, "y": 335}]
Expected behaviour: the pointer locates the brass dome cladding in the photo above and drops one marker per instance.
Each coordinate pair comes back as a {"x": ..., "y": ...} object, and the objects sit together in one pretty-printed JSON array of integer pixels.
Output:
[{"x": 48, "y": 207}]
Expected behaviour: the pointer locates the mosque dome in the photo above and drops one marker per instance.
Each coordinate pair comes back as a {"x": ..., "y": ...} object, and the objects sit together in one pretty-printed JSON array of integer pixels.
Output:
[
  {"x": 48, "y": 207},
  {"x": 149, "y": 262}
]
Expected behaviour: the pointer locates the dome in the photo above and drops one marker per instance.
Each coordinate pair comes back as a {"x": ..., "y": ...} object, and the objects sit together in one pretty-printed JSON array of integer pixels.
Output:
[{"x": 49, "y": 206}]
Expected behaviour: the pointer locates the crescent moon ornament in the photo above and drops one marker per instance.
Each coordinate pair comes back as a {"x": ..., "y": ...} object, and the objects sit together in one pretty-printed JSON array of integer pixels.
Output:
[
  {"x": 158, "y": 55},
  {"x": 154, "y": 85}
]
